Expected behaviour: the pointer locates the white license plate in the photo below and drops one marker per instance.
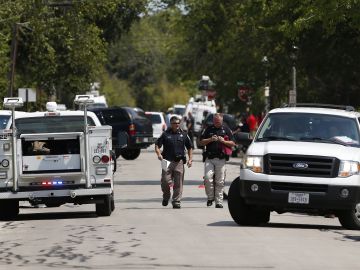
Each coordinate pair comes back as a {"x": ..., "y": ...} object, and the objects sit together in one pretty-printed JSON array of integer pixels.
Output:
[
  {"x": 146, "y": 139},
  {"x": 296, "y": 197}
]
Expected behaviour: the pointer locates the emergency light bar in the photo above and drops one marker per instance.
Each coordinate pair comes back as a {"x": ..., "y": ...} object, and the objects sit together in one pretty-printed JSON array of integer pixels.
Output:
[
  {"x": 84, "y": 99},
  {"x": 13, "y": 102}
]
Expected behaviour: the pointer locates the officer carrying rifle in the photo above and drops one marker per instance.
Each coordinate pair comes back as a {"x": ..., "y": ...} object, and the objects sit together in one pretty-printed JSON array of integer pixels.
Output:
[
  {"x": 218, "y": 140},
  {"x": 174, "y": 142}
]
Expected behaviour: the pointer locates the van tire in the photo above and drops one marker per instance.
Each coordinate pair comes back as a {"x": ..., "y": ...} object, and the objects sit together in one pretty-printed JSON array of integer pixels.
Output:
[
  {"x": 130, "y": 154},
  {"x": 9, "y": 209},
  {"x": 104, "y": 209},
  {"x": 242, "y": 213},
  {"x": 350, "y": 219}
]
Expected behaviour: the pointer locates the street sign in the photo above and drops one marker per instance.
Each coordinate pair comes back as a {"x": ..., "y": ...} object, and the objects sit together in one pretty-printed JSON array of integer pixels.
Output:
[{"x": 27, "y": 94}]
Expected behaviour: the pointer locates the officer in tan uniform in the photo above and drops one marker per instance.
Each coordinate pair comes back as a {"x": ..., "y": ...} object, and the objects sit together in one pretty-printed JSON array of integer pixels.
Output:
[
  {"x": 215, "y": 138},
  {"x": 174, "y": 142}
]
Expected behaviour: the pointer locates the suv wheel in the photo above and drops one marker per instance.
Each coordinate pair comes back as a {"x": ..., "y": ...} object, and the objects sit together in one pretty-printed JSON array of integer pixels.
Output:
[
  {"x": 350, "y": 219},
  {"x": 130, "y": 154},
  {"x": 104, "y": 208},
  {"x": 242, "y": 213}
]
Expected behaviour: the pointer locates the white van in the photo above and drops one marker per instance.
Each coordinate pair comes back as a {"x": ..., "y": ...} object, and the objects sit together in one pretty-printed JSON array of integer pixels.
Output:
[
  {"x": 199, "y": 107},
  {"x": 59, "y": 157}
]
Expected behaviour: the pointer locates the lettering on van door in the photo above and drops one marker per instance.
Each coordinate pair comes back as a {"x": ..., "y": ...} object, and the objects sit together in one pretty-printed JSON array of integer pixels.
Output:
[{"x": 101, "y": 148}]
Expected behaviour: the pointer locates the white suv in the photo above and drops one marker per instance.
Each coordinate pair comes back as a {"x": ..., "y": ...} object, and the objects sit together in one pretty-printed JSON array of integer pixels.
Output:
[
  {"x": 302, "y": 159},
  {"x": 158, "y": 123}
]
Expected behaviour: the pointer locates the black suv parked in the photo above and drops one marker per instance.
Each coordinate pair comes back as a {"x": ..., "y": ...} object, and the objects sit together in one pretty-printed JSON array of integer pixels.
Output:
[{"x": 128, "y": 121}]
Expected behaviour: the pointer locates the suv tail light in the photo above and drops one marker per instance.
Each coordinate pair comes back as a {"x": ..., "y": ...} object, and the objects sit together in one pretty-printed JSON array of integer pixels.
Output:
[{"x": 132, "y": 130}]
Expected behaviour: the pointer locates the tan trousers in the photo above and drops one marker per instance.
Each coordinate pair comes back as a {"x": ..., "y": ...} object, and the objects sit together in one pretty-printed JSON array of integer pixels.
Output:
[
  {"x": 214, "y": 186},
  {"x": 175, "y": 175}
]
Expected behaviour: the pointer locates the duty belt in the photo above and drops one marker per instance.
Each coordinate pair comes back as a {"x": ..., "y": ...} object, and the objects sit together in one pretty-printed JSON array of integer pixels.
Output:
[{"x": 215, "y": 155}]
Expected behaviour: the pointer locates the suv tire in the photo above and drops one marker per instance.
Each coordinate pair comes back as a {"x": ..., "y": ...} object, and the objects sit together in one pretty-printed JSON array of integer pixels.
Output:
[
  {"x": 130, "y": 154},
  {"x": 350, "y": 219},
  {"x": 104, "y": 208},
  {"x": 242, "y": 213}
]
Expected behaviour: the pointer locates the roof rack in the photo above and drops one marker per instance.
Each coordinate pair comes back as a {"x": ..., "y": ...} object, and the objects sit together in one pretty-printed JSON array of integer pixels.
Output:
[{"x": 318, "y": 105}]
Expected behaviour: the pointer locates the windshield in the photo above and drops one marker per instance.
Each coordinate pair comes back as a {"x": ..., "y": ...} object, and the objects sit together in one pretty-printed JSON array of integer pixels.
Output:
[
  {"x": 4, "y": 119},
  {"x": 53, "y": 124},
  {"x": 309, "y": 127}
]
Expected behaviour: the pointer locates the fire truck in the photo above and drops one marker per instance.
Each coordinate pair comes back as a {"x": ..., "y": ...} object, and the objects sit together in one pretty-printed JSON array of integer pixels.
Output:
[{"x": 56, "y": 157}]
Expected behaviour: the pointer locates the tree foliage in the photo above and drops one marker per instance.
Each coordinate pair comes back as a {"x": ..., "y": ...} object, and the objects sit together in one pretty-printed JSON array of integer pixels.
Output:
[
  {"x": 228, "y": 39},
  {"x": 62, "y": 46},
  {"x": 157, "y": 60},
  {"x": 144, "y": 57}
]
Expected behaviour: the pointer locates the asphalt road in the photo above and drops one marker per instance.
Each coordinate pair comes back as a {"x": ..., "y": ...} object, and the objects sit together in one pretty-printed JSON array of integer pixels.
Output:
[{"x": 142, "y": 234}]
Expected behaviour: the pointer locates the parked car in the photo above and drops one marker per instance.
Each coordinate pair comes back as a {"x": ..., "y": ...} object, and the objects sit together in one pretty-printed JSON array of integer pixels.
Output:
[
  {"x": 133, "y": 123},
  {"x": 158, "y": 122}
]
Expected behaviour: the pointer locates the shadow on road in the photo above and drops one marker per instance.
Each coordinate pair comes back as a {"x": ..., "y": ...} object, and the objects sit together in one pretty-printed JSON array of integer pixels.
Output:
[
  {"x": 280, "y": 225},
  {"x": 348, "y": 237},
  {"x": 159, "y": 199},
  {"x": 57, "y": 215},
  {"x": 156, "y": 182}
]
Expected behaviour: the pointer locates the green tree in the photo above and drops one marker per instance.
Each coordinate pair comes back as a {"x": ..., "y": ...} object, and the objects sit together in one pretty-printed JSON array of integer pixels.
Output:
[
  {"x": 145, "y": 57},
  {"x": 64, "y": 48}
]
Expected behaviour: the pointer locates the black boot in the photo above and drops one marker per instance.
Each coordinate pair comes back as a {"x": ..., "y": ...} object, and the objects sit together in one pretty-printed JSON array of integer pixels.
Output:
[
  {"x": 176, "y": 204},
  {"x": 165, "y": 202},
  {"x": 209, "y": 203}
]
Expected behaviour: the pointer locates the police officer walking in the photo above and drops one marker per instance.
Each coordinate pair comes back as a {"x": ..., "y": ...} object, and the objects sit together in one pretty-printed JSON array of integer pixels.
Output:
[
  {"x": 216, "y": 138},
  {"x": 174, "y": 142}
]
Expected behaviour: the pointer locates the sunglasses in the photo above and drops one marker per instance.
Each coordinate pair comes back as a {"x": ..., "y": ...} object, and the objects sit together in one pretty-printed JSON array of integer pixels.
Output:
[{"x": 175, "y": 123}]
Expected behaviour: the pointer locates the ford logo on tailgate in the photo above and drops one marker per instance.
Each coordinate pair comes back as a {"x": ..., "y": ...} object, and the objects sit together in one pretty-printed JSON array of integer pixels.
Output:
[{"x": 300, "y": 165}]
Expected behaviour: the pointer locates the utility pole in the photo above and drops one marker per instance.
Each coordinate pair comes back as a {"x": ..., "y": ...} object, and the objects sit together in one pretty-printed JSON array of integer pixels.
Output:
[
  {"x": 265, "y": 62},
  {"x": 14, "y": 45},
  {"x": 293, "y": 91},
  {"x": 14, "y": 48}
]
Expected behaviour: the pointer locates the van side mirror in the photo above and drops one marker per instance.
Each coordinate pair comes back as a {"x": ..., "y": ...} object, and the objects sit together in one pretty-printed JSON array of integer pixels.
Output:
[{"x": 242, "y": 138}]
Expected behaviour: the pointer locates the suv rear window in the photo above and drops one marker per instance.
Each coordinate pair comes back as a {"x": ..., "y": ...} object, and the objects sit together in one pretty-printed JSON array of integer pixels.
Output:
[
  {"x": 155, "y": 118},
  {"x": 135, "y": 114},
  {"x": 114, "y": 116}
]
